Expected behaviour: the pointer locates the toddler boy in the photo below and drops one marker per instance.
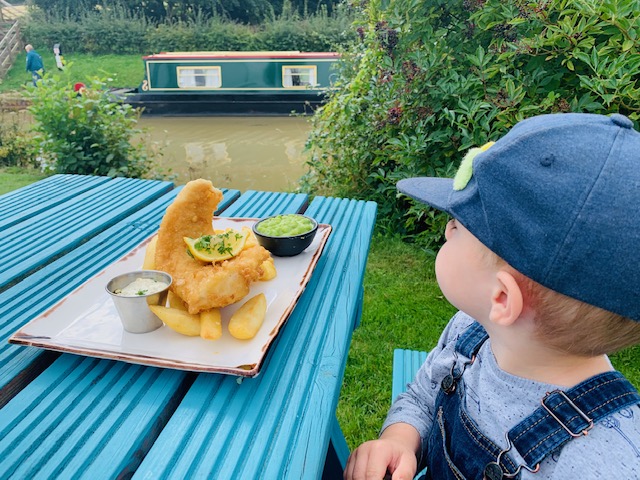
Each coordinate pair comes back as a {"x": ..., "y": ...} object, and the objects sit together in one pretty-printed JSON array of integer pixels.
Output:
[{"x": 541, "y": 260}]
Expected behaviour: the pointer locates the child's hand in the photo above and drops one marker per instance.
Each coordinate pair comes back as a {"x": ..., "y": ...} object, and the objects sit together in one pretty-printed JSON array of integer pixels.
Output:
[{"x": 393, "y": 453}]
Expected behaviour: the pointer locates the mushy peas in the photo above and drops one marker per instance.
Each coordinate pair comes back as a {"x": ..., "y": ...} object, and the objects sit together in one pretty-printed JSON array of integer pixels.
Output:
[{"x": 285, "y": 226}]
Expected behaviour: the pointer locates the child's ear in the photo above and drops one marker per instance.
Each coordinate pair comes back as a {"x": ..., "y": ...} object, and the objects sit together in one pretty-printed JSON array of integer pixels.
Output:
[{"x": 506, "y": 299}]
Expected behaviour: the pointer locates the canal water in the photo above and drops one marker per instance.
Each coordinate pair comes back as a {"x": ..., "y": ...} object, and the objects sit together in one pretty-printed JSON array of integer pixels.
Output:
[{"x": 245, "y": 153}]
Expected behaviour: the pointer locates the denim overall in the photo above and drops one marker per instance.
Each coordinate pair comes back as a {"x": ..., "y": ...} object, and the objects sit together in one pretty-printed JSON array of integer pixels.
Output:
[{"x": 458, "y": 450}]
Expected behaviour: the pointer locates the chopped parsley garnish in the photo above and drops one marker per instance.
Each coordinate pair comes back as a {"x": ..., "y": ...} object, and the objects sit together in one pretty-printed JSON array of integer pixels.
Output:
[{"x": 220, "y": 243}]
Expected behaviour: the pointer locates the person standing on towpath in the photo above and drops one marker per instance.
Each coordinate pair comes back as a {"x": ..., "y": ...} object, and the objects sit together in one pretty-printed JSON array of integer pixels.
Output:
[{"x": 34, "y": 64}]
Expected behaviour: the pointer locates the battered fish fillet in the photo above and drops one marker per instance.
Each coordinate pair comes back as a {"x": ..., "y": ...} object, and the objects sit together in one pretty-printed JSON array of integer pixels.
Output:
[{"x": 203, "y": 285}]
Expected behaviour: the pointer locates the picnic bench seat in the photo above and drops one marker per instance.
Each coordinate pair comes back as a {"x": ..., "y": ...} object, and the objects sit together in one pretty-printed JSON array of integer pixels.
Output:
[
  {"x": 77, "y": 420},
  {"x": 405, "y": 366},
  {"x": 41, "y": 289}
]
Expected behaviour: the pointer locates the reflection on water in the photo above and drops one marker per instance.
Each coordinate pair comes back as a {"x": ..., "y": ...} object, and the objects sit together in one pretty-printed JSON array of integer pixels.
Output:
[{"x": 246, "y": 153}]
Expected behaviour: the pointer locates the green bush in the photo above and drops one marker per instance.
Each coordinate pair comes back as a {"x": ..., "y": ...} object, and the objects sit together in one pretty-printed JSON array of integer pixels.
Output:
[
  {"x": 431, "y": 79},
  {"x": 116, "y": 31},
  {"x": 16, "y": 144},
  {"x": 93, "y": 32},
  {"x": 87, "y": 134},
  {"x": 204, "y": 35},
  {"x": 245, "y": 11},
  {"x": 319, "y": 33}
]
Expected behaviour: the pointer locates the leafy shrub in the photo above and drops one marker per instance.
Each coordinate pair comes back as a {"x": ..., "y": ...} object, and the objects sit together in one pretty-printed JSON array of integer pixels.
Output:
[
  {"x": 16, "y": 144},
  {"x": 111, "y": 31},
  {"x": 212, "y": 34},
  {"x": 430, "y": 79},
  {"x": 117, "y": 31},
  {"x": 68, "y": 7},
  {"x": 317, "y": 33},
  {"x": 246, "y": 11},
  {"x": 87, "y": 134}
]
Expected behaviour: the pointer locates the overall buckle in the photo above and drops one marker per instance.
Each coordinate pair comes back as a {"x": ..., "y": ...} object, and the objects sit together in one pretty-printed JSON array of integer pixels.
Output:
[
  {"x": 575, "y": 407},
  {"x": 493, "y": 470}
]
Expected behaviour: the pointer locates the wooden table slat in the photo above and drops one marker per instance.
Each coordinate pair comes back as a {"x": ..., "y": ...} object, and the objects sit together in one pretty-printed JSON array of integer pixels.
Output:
[
  {"x": 78, "y": 402},
  {"x": 43, "y": 289},
  {"x": 34, "y": 242},
  {"x": 41, "y": 196},
  {"x": 253, "y": 204}
]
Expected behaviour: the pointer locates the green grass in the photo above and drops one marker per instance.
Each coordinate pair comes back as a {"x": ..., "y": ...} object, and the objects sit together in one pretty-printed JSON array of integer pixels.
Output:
[
  {"x": 126, "y": 70},
  {"x": 12, "y": 178},
  {"x": 628, "y": 363},
  {"x": 403, "y": 308}
]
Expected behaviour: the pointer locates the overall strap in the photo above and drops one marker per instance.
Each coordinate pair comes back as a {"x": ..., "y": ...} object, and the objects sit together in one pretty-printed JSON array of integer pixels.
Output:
[
  {"x": 471, "y": 340},
  {"x": 467, "y": 345},
  {"x": 565, "y": 415}
]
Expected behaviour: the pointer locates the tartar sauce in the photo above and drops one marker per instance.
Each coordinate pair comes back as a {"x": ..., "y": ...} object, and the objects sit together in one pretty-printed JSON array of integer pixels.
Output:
[{"x": 141, "y": 286}]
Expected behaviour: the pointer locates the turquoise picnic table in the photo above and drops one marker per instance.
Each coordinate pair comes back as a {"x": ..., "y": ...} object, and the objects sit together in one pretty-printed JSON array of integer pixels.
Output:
[{"x": 64, "y": 415}]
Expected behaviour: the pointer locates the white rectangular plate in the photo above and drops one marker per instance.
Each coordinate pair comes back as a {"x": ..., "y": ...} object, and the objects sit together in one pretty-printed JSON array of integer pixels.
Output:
[{"x": 86, "y": 322}]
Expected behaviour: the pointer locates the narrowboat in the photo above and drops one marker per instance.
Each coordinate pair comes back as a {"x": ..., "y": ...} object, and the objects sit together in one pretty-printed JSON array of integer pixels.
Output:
[{"x": 230, "y": 83}]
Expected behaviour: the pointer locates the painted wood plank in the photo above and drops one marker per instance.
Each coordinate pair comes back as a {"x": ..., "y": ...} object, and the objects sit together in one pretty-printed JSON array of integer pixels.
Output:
[
  {"x": 338, "y": 453},
  {"x": 255, "y": 204},
  {"x": 67, "y": 225},
  {"x": 230, "y": 196},
  {"x": 336, "y": 302},
  {"x": 405, "y": 365},
  {"x": 38, "y": 197},
  {"x": 70, "y": 411},
  {"x": 279, "y": 424},
  {"x": 46, "y": 287},
  {"x": 123, "y": 448}
]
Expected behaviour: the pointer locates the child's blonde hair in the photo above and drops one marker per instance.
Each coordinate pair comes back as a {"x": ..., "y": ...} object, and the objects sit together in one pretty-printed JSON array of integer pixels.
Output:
[{"x": 575, "y": 327}]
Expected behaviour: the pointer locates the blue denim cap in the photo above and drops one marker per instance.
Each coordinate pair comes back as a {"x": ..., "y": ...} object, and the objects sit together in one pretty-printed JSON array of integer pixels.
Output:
[{"x": 558, "y": 198}]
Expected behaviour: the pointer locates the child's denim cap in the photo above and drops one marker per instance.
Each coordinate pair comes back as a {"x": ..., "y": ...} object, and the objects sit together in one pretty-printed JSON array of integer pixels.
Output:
[{"x": 558, "y": 198}]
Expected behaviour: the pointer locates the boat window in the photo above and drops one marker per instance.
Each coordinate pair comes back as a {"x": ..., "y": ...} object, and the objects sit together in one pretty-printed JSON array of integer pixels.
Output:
[
  {"x": 199, "y": 77},
  {"x": 299, "y": 76}
]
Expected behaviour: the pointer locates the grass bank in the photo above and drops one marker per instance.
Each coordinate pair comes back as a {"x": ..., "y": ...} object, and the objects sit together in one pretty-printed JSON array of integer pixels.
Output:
[
  {"x": 125, "y": 70},
  {"x": 403, "y": 308},
  {"x": 12, "y": 178}
]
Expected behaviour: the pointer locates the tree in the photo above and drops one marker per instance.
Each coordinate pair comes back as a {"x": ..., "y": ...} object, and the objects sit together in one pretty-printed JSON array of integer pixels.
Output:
[
  {"x": 71, "y": 8},
  {"x": 244, "y": 11}
]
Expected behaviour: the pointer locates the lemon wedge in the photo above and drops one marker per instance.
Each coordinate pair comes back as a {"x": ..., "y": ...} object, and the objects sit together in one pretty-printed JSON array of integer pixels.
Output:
[{"x": 217, "y": 247}]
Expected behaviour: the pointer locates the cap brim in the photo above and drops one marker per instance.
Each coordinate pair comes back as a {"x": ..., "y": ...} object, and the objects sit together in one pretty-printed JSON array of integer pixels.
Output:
[{"x": 434, "y": 191}]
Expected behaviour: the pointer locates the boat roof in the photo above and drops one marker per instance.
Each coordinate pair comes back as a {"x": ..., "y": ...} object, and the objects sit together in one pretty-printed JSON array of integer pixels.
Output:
[{"x": 248, "y": 55}]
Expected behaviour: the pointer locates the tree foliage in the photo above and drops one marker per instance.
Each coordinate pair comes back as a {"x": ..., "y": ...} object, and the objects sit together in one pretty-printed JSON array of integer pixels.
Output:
[
  {"x": 430, "y": 79},
  {"x": 88, "y": 133},
  {"x": 116, "y": 31},
  {"x": 245, "y": 11}
]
